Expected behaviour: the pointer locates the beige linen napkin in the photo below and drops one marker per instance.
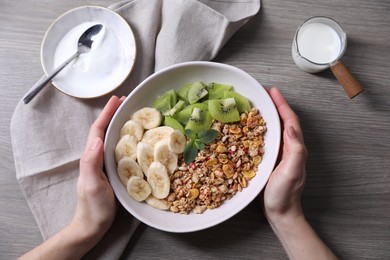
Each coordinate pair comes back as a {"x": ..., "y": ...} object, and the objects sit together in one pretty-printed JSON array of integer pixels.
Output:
[{"x": 49, "y": 134}]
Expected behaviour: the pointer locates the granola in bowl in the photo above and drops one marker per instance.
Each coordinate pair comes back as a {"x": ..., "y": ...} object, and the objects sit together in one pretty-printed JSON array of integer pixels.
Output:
[{"x": 222, "y": 169}]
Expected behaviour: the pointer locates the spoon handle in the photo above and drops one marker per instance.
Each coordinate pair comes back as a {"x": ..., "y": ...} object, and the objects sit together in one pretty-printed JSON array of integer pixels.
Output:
[{"x": 42, "y": 84}]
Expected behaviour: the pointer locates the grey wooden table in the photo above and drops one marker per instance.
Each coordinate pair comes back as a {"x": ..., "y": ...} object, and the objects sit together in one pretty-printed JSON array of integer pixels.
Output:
[{"x": 347, "y": 195}]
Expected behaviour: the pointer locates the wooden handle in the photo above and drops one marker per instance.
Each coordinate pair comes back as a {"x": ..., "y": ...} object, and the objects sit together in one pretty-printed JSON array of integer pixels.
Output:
[{"x": 346, "y": 79}]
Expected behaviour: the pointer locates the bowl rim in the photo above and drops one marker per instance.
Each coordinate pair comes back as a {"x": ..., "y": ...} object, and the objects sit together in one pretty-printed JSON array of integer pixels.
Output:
[
  {"x": 145, "y": 82},
  {"x": 58, "y": 19}
]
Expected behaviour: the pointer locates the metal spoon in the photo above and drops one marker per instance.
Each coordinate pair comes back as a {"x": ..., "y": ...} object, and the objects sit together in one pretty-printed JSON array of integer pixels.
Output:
[{"x": 83, "y": 46}]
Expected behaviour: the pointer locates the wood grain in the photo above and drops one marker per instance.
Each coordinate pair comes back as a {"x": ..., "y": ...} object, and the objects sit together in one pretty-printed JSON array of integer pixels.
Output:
[
  {"x": 351, "y": 86},
  {"x": 347, "y": 195}
]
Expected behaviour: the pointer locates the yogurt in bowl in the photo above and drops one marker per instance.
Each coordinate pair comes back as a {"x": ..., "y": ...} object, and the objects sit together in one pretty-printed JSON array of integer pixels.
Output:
[{"x": 104, "y": 68}]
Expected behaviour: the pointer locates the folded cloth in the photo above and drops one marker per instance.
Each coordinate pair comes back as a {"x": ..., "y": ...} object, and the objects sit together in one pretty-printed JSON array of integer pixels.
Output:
[{"x": 48, "y": 135}]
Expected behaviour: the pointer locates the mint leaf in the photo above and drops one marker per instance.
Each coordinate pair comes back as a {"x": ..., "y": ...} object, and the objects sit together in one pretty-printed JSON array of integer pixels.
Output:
[
  {"x": 190, "y": 152},
  {"x": 199, "y": 145},
  {"x": 191, "y": 134},
  {"x": 207, "y": 136}
]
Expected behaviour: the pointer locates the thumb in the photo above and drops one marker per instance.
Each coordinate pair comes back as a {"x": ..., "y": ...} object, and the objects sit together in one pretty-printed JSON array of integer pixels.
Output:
[
  {"x": 295, "y": 153},
  {"x": 92, "y": 159}
]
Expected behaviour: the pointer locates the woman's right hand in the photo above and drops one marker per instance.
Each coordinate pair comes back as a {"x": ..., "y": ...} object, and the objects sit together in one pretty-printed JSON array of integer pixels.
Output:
[{"x": 282, "y": 196}]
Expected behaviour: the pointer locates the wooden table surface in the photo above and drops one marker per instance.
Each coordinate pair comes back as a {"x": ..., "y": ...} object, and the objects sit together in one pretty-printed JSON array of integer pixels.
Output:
[{"x": 347, "y": 195}]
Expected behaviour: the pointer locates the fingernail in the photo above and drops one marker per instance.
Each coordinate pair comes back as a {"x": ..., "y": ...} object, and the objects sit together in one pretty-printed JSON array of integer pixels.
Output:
[
  {"x": 291, "y": 132},
  {"x": 95, "y": 144}
]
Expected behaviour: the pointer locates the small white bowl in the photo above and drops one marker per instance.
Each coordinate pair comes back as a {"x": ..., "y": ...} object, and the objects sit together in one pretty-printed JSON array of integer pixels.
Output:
[
  {"x": 175, "y": 77},
  {"x": 98, "y": 72}
]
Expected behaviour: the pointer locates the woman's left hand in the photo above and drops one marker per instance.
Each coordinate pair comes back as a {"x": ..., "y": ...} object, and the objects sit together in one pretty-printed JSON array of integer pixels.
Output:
[{"x": 96, "y": 206}]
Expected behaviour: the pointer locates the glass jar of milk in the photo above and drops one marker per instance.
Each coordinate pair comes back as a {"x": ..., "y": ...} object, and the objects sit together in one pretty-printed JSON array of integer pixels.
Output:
[{"x": 318, "y": 43}]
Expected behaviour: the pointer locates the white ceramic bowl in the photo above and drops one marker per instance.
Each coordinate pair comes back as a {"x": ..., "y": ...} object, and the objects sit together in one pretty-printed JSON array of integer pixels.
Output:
[
  {"x": 98, "y": 72},
  {"x": 175, "y": 77}
]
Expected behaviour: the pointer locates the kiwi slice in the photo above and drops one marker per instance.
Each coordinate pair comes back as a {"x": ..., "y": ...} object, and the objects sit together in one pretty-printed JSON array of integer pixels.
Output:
[
  {"x": 224, "y": 110},
  {"x": 201, "y": 106},
  {"x": 183, "y": 91},
  {"x": 162, "y": 104},
  {"x": 200, "y": 120},
  {"x": 196, "y": 92},
  {"x": 183, "y": 115},
  {"x": 165, "y": 102},
  {"x": 206, "y": 102},
  {"x": 217, "y": 90},
  {"x": 192, "y": 92},
  {"x": 242, "y": 103},
  {"x": 170, "y": 121},
  {"x": 176, "y": 108}
]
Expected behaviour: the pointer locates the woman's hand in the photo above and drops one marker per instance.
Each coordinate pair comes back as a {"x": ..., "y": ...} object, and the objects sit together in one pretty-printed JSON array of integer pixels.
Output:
[
  {"x": 96, "y": 206},
  {"x": 282, "y": 196}
]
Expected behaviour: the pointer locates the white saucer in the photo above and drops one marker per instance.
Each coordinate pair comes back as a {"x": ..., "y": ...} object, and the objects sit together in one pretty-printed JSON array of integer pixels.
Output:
[{"x": 110, "y": 74}]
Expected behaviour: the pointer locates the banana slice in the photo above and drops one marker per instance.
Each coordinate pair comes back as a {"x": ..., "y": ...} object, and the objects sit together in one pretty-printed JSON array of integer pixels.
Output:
[
  {"x": 157, "y": 134},
  {"x": 177, "y": 142},
  {"x": 126, "y": 147},
  {"x": 158, "y": 180},
  {"x": 128, "y": 167},
  {"x": 163, "y": 154},
  {"x": 138, "y": 188},
  {"x": 145, "y": 156},
  {"x": 149, "y": 117},
  {"x": 133, "y": 128},
  {"x": 161, "y": 204}
]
